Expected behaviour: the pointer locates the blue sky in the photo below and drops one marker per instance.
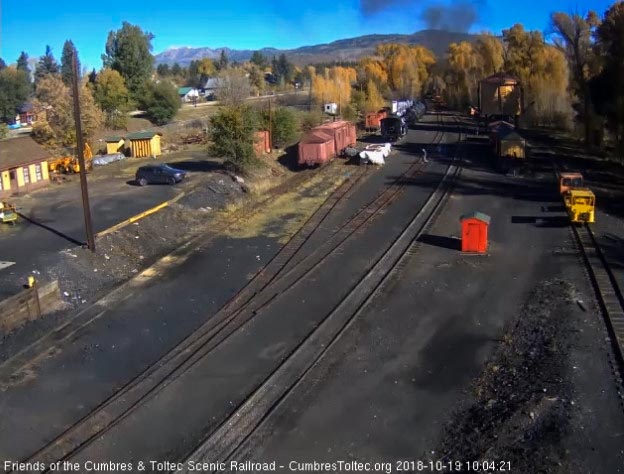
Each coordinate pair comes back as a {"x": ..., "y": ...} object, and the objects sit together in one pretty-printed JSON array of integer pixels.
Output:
[{"x": 240, "y": 24}]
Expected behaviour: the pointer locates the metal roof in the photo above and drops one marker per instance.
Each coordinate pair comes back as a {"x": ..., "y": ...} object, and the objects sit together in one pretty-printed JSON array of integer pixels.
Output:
[
  {"x": 476, "y": 215},
  {"x": 142, "y": 135},
  {"x": 184, "y": 90},
  {"x": 113, "y": 139},
  {"x": 21, "y": 151}
]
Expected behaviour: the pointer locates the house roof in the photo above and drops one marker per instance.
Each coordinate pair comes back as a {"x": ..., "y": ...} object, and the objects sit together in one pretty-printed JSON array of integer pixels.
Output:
[
  {"x": 113, "y": 139},
  {"x": 21, "y": 151},
  {"x": 211, "y": 83},
  {"x": 184, "y": 90},
  {"x": 142, "y": 135},
  {"x": 476, "y": 215}
]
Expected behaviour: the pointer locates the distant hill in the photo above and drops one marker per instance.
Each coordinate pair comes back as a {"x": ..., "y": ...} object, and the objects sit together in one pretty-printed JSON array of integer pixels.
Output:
[{"x": 349, "y": 49}]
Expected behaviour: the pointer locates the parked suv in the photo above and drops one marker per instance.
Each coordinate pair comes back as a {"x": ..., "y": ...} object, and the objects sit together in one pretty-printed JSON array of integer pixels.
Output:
[{"x": 159, "y": 174}]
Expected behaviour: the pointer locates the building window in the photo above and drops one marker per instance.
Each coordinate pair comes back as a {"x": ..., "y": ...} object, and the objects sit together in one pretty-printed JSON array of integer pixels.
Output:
[
  {"x": 26, "y": 174},
  {"x": 38, "y": 172}
]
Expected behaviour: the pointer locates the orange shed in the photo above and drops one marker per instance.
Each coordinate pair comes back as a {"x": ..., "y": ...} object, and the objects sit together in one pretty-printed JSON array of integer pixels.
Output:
[{"x": 474, "y": 232}]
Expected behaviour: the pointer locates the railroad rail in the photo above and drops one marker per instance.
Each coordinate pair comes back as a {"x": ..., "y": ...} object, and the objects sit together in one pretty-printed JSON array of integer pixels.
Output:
[
  {"x": 609, "y": 295},
  {"x": 606, "y": 288},
  {"x": 273, "y": 281},
  {"x": 223, "y": 443}
]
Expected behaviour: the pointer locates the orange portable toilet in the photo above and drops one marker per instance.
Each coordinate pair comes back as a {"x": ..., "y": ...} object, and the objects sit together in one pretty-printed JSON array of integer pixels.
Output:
[{"x": 474, "y": 232}]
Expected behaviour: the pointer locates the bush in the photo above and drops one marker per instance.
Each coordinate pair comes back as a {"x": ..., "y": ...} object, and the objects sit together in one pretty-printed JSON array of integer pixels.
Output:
[
  {"x": 309, "y": 120},
  {"x": 160, "y": 102},
  {"x": 4, "y": 130},
  {"x": 232, "y": 131},
  {"x": 284, "y": 125}
]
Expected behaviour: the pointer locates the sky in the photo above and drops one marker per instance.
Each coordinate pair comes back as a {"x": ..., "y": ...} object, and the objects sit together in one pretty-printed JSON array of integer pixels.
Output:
[{"x": 254, "y": 24}]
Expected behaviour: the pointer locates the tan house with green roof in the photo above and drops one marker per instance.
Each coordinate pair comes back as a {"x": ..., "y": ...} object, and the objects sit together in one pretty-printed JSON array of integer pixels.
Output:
[{"x": 144, "y": 144}]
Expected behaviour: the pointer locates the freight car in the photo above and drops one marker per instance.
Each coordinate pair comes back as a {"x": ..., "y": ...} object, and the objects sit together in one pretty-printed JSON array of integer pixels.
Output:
[
  {"x": 373, "y": 120},
  {"x": 325, "y": 142},
  {"x": 393, "y": 128}
]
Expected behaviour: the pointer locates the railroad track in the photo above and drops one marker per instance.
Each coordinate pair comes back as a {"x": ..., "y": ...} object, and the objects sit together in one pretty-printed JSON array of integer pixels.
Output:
[
  {"x": 222, "y": 444},
  {"x": 273, "y": 281},
  {"x": 607, "y": 290}
]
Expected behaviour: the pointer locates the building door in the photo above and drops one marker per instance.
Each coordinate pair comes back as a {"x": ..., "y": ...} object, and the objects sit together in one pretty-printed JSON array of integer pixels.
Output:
[{"x": 13, "y": 180}]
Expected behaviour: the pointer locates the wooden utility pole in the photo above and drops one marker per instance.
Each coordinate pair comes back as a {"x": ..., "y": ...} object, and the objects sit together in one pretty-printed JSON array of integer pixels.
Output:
[
  {"x": 270, "y": 126},
  {"x": 80, "y": 155}
]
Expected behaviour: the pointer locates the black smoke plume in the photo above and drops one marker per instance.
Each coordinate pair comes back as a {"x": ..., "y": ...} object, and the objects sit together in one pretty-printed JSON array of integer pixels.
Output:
[{"x": 456, "y": 16}]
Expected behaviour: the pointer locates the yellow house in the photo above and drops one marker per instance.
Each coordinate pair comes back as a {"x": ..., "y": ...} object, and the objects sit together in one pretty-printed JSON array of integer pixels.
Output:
[
  {"x": 114, "y": 145},
  {"x": 23, "y": 166},
  {"x": 145, "y": 144}
]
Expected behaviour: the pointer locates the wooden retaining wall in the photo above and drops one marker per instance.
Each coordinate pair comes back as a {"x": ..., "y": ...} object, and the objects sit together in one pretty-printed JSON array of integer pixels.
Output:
[{"x": 29, "y": 305}]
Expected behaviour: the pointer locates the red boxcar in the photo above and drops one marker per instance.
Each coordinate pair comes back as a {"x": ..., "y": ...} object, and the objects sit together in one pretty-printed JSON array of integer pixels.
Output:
[
  {"x": 344, "y": 134},
  {"x": 326, "y": 142},
  {"x": 373, "y": 119},
  {"x": 316, "y": 148}
]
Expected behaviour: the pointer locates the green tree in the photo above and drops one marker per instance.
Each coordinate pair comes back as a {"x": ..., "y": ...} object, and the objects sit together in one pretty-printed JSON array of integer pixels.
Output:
[
  {"x": 92, "y": 77},
  {"x": 67, "y": 71},
  {"x": 46, "y": 65},
  {"x": 163, "y": 70},
  {"x": 233, "y": 129},
  {"x": 259, "y": 60},
  {"x": 283, "y": 69},
  {"x": 128, "y": 51},
  {"x": 608, "y": 87},
  {"x": 574, "y": 37},
  {"x": 176, "y": 70},
  {"x": 2, "y": 64},
  {"x": 222, "y": 65},
  {"x": 22, "y": 65},
  {"x": 284, "y": 125},
  {"x": 160, "y": 101},
  {"x": 111, "y": 95},
  {"x": 14, "y": 91}
]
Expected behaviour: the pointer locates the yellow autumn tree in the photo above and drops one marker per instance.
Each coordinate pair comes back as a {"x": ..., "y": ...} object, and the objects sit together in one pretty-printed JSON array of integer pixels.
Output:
[
  {"x": 464, "y": 72},
  {"x": 333, "y": 85},
  {"x": 407, "y": 68},
  {"x": 490, "y": 53}
]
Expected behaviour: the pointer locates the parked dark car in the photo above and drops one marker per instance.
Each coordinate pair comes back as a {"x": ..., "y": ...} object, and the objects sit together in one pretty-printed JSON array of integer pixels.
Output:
[{"x": 159, "y": 174}]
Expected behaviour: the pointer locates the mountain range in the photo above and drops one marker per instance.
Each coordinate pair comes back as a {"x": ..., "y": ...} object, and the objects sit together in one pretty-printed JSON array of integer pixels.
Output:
[{"x": 350, "y": 49}]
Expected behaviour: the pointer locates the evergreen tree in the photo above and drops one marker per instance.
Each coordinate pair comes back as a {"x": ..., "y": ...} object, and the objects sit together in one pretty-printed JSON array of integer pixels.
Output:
[
  {"x": 46, "y": 65},
  {"x": 223, "y": 61},
  {"x": 128, "y": 51},
  {"x": 22, "y": 65},
  {"x": 66, "y": 62},
  {"x": 2, "y": 64}
]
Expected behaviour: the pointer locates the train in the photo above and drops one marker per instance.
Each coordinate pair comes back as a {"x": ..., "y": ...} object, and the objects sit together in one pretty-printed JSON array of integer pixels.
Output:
[
  {"x": 393, "y": 128},
  {"x": 326, "y": 142}
]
